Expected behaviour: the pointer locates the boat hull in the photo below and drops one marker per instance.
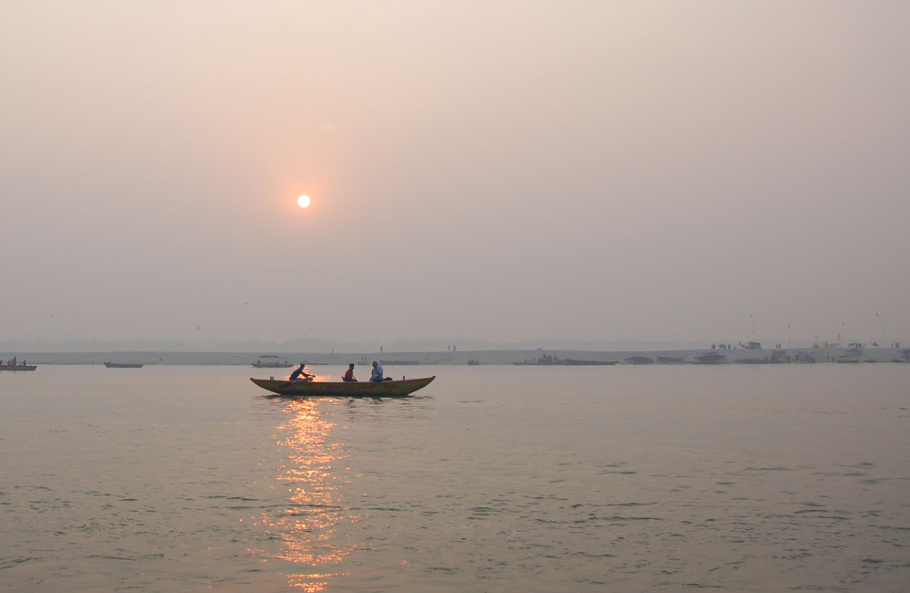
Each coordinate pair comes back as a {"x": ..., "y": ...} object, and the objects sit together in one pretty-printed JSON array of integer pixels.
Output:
[
  {"x": 710, "y": 359},
  {"x": 401, "y": 388},
  {"x": 18, "y": 367},
  {"x": 639, "y": 360},
  {"x": 588, "y": 363},
  {"x": 669, "y": 360}
]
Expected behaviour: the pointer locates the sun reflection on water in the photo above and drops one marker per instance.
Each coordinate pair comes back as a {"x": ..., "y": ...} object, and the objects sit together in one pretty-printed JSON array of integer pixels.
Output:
[{"x": 308, "y": 527}]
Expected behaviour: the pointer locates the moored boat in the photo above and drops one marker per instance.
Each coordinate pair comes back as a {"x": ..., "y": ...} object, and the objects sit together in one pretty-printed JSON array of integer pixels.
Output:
[
  {"x": 544, "y": 360},
  {"x": 670, "y": 359},
  {"x": 271, "y": 361},
  {"x": 710, "y": 358},
  {"x": 18, "y": 367},
  {"x": 402, "y": 388},
  {"x": 123, "y": 365},
  {"x": 639, "y": 360},
  {"x": 578, "y": 363}
]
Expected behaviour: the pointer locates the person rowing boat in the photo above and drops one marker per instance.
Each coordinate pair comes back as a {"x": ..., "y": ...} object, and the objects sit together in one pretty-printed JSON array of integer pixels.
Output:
[{"x": 301, "y": 375}]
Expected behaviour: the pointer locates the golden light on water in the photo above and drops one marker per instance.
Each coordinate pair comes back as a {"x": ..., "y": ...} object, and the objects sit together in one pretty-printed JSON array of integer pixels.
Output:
[
  {"x": 308, "y": 527},
  {"x": 303, "y": 201}
]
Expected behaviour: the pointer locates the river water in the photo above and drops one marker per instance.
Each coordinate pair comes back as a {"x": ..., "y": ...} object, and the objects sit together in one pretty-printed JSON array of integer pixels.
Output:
[{"x": 493, "y": 478}]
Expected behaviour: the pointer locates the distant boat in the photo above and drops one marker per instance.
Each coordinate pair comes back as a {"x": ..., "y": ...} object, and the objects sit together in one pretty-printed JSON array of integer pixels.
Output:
[
  {"x": 401, "y": 388},
  {"x": 123, "y": 365},
  {"x": 473, "y": 362},
  {"x": 399, "y": 362},
  {"x": 639, "y": 360},
  {"x": 271, "y": 361},
  {"x": 804, "y": 357},
  {"x": 780, "y": 357},
  {"x": 18, "y": 367},
  {"x": 669, "y": 359},
  {"x": 709, "y": 359},
  {"x": 578, "y": 363},
  {"x": 543, "y": 360}
]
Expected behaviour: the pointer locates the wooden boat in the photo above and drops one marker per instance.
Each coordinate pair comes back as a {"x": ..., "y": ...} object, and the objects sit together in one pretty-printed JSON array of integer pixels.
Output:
[
  {"x": 401, "y": 388},
  {"x": 579, "y": 363},
  {"x": 18, "y": 367},
  {"x": 710, "y": 358},
  {"x": 804, "y": 357},
  {"x": 639, "y": 360},
  {"x": 123, "y": 365},
  {"x": 271, "y": 361},
  {"x": 669, "y": 360},
  {"x": 544, "y": 360},
  {"x": 553, "y": 360}
]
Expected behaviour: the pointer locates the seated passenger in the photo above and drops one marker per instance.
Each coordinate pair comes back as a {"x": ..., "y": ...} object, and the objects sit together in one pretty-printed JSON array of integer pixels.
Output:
[
  {"x": 376, "y": 373},
  {"x": 349, "y": 376},
  {"x": 300, "y": 374}
]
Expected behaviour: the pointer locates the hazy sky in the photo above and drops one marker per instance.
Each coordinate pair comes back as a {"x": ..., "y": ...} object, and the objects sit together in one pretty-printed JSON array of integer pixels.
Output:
[{"x": 493, "y": 170}]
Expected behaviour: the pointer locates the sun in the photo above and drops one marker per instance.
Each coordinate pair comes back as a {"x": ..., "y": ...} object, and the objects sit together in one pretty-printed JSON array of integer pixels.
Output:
[{"x": 303, "y": 201}]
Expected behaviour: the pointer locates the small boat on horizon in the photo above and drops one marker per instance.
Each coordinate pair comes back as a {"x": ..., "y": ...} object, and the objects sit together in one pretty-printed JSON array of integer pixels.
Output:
[
  {"x": 846, "y": 360},
  {"x": 588, "y": 363},
  {"x": 669, "y": 360},
  {"x": 710, "y": 358},
  {"x": 548, "y": 360},
  {"x": 124, "y": 365},
  {"x": 402, "y": 388},
  {"x": 13, "y": 365},
  {"x": 272, "y": 361},
  {"x": 639, "y": 360}
]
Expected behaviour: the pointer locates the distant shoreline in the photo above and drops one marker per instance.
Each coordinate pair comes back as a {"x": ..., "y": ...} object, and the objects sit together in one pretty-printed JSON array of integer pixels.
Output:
[{"x": 481, "y": 357}]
